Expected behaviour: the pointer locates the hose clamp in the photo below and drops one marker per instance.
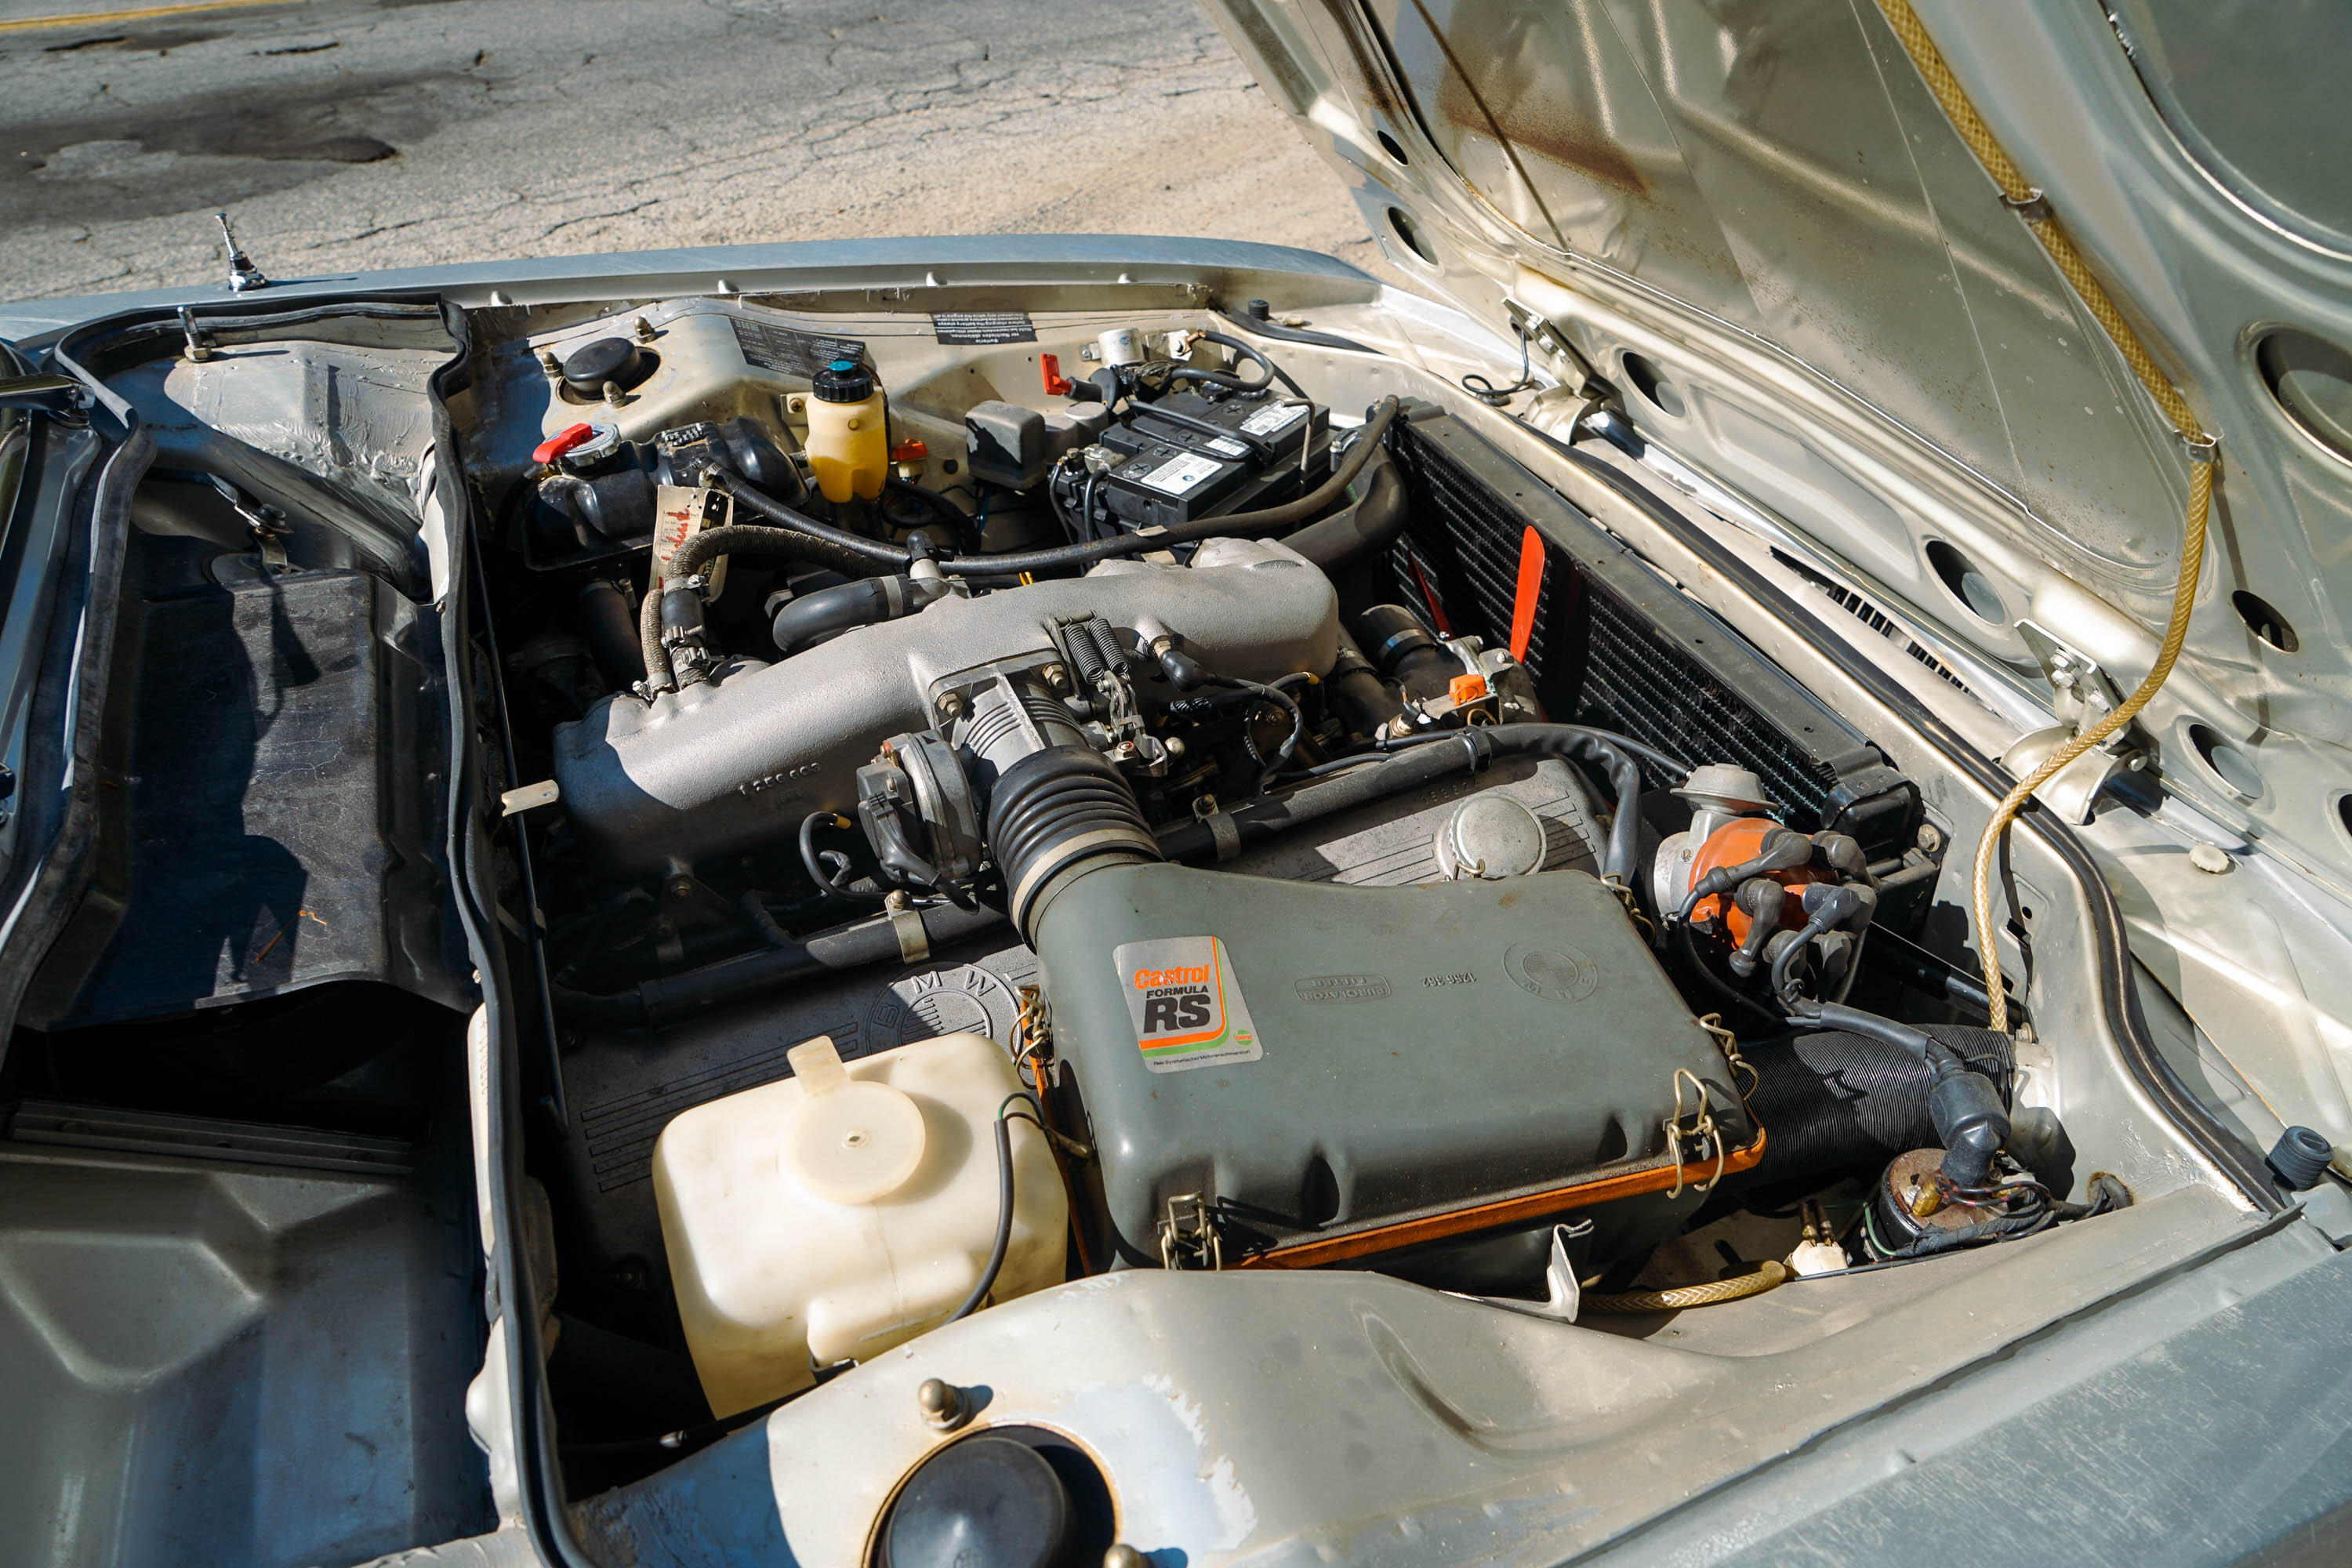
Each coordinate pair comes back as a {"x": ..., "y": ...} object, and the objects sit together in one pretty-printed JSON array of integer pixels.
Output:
[
  {"x": 2202, "y": 447},
  {"x": 913, "y": 942},
  {"x": 1481, "y": 747},
  {"x": 2033, "y": 206}
]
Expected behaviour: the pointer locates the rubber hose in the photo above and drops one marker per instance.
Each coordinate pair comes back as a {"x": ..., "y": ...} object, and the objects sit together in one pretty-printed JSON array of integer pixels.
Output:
[
  {"x": 657, "y": 1003},
  {"x": 1837, "y": 1099},
  {"x": 1003, "y": 1242},
  {"x": 1370, "y": 522},
  {"x": 1040, "y": 805},
  {"x": 1274, "y": 519},
  {"x": 736, "y": 538},
  {"x": 1437, "y": 759},
  {"x": 2026, "y": 199},
  {"x": 1264, "y": 326},
  {"x": 871, "y": 552},
  {"x": 1767, "y": 1275},
  {"x": 954, "y": 516},
  {"x": 607, "y": 626},
  {"x": 811, "y": 619}
]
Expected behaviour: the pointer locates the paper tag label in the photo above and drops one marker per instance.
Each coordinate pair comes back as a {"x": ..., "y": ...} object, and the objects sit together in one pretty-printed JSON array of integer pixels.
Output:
[
  {"x": 1280, "y": 417},
  {"x": 1186, "y": 1004},
  {"x": 679, "y": 513},
  {"x": 1228, "y": 446},
  {"x": 1180, "y": 474}
]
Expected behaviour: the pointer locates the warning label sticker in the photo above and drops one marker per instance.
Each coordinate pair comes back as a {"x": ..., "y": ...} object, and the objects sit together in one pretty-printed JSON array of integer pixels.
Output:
[
  {"x": 982, "y": 327},
  {"x": 1186, "y": 1004},
  {"x": 1280, "y": 417},
  {"x": 1227, "y": 445},
  {"x": 1180, "y": 474},
  {"x": 790, "y": 353}
]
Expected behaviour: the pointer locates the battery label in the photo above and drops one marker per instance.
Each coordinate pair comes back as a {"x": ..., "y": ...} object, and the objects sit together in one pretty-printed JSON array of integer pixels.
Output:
[
  {"x": 1228, "y": 446},
  {"x": 1186, "y": 1004},
  {"x": 1180, "y": 474},
  {"x": 1279, "y": 417}
]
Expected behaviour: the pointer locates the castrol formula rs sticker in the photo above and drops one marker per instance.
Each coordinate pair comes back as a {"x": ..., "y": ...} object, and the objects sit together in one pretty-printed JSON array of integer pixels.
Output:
[{"x": 1187, "y": 1006}]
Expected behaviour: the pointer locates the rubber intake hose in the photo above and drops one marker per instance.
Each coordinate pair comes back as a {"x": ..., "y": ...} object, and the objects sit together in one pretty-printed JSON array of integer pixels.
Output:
[
  {"x": 1427, "y": 761},
  {"x": 736, "y": 538},
  {"x": 1368, "y": 523},
  {"x": 607, "y": 625},
  {"x": 657, "y": 1003},
  {"x": 1057, "y": 811},
  {"x": 1403, "y": 651},
  {"x": 1836, "y": 1099},
  {"x": 815, "y": 617}
]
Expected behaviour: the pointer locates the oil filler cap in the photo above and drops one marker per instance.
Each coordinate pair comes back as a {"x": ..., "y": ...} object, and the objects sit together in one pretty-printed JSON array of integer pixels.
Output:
[
  {"x": 983, "y": 1500},
  {"x": 853, "y": 1141},
  {"x": 1490, "y": 836}
]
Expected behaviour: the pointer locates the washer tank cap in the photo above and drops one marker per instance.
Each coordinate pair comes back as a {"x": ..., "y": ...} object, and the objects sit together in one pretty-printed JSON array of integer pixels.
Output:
[{"x": 843, "y": 381}]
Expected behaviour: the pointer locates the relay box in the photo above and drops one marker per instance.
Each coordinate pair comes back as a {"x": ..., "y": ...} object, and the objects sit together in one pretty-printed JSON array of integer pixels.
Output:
[{"x": 1185, "y": 456}]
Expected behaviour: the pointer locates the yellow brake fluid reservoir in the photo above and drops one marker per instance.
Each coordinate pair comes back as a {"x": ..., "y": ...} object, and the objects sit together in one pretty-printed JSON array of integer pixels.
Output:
[
  {"x": 846, "y": 444},
  {"x": 846, "y": 1210}
]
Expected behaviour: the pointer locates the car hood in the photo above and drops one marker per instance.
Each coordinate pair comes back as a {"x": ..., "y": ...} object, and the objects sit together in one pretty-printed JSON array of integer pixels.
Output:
[{"x": 1756, "y": 230}]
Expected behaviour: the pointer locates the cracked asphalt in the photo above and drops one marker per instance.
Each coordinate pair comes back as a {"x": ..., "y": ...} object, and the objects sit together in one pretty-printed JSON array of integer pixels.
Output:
[{"x": 346, "y": 135}]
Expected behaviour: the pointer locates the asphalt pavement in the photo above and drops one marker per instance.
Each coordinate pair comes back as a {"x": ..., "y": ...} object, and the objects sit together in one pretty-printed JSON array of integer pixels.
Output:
[{"x": 347, "y": 134}]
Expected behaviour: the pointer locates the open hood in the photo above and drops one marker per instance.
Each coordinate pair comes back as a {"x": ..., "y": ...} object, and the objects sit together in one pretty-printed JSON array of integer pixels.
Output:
[{"x": 1758, "y": 231}]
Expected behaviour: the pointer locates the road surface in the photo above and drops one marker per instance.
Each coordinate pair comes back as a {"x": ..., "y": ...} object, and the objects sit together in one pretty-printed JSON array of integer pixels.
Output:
[{"x": 344, "y": 136}]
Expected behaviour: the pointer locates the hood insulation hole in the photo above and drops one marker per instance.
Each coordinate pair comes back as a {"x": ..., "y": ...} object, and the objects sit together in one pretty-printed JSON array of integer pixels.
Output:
[
  {"x": 1408, "y": 232},
  {"x": 2264, "y": 621},
  {"x": 1652, "y": 384},
  {"x": 1968, "y": 584},
  {"x": 2230, "y": 764}
]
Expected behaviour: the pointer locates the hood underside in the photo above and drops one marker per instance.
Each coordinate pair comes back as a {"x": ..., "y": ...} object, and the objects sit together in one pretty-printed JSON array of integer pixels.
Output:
[{"x": 1757, "y": 227}]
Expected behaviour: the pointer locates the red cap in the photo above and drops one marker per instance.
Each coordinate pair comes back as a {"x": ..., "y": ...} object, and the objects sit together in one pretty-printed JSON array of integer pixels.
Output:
[
  {"x": 910, "y": 452},
  {"x": 1467, "y": 688},
  {"x": 1050, "y": 367},
  {"x": 563, "y": 441}
]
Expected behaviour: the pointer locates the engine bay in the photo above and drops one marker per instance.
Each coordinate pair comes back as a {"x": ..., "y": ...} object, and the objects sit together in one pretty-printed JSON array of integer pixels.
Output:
[
  {"x": 1353, "y": 857},
  {"x": 983, "y": 802}
]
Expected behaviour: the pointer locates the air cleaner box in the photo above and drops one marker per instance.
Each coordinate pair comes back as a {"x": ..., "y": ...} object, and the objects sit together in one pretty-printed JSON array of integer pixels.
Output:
[
  {"x": 1185, "y": 456},
  {"x": 1347, "y": 1071}
]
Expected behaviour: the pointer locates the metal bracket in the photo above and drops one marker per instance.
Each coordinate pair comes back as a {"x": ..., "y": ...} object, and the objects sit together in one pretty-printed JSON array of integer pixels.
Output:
[
  {"x": 1541, "y": 330},
  {"x": 1562, "y": 1295},
  {"x": 1188, "y": 1235},
  {"x": 2072, "y": 673},
  {"x": 59, "y": 396}
]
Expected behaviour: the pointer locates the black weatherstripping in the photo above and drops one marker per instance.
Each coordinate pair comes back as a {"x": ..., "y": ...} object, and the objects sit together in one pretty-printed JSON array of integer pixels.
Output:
[{"x": 2118, "y": 993}]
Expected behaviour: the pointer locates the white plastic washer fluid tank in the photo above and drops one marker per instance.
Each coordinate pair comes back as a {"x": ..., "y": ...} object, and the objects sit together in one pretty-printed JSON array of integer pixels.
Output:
[{"x": 846, "y": 1209}]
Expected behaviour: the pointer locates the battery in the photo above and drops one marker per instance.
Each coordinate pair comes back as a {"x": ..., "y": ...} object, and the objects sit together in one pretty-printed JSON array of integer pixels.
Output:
[{"x": 1183, "y": 456}]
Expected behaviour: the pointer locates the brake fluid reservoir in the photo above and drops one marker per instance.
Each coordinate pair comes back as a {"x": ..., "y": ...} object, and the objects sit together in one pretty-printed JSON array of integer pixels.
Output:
[
  {"x": 846, "y": 1210},
  {"x": 847, "y": 449}
]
